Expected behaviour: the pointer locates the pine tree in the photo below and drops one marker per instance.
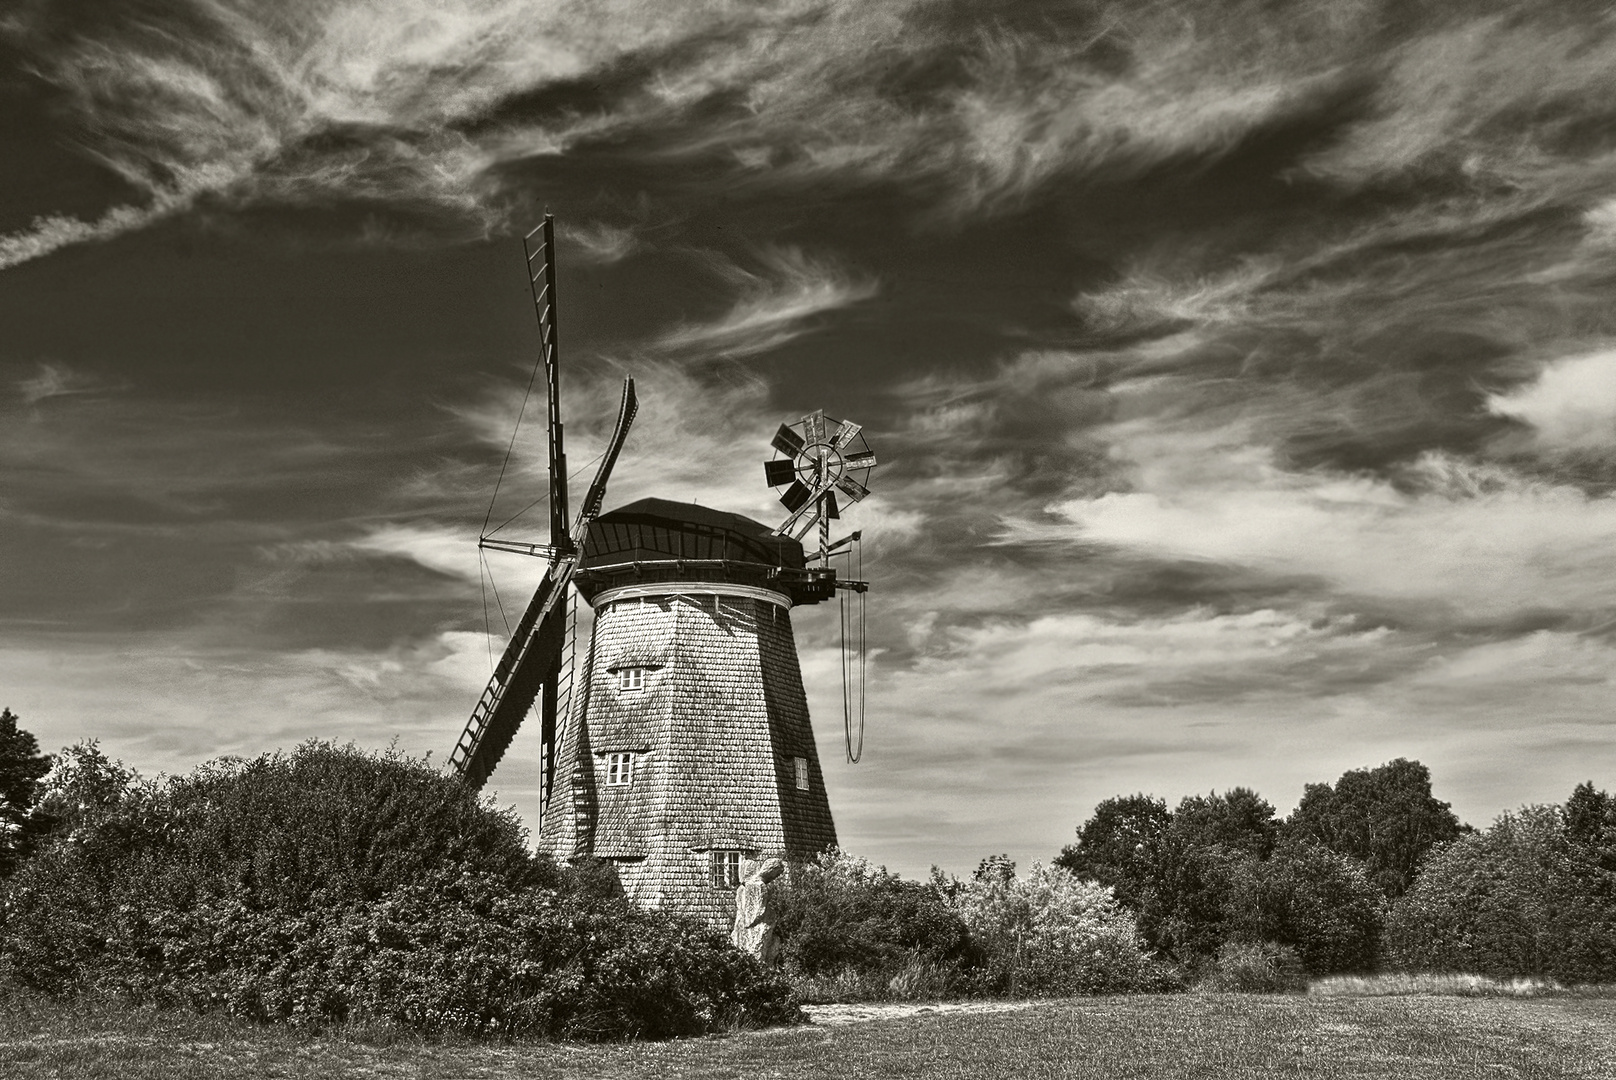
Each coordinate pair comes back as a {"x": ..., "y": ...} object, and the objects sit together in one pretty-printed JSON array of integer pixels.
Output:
[{"x": 21, "y": 768}]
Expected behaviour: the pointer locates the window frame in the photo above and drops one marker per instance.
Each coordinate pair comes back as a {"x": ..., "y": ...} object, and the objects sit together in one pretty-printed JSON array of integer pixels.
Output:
[
  {"x": 804, "y": 777},
  {"x": 631, "y": 679},
  {"x": 724, "y": 867},
  {"x": 620, "y": 768}
]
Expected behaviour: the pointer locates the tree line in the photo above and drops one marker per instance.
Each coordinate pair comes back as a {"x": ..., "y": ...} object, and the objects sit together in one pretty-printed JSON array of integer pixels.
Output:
[
  {"x": 329, "y": 883},
  {"x": 1370, "y": 873}
]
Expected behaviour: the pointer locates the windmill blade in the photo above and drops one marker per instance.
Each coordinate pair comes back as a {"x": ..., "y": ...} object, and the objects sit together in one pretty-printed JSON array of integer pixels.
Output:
[
  {"x": 831, "y": 511},
  {"x": 864, "y": 460},
  {"x": 779, "y": 471},
  {"x": 800, "y": 526},
  {"x": 788, "y": 442},
  {"x": 532, "y": 661},
  {"x": 851, "y": 488},
  {"x": 813, "y": 427},
  {"x": 848, "y": 433},
  {"x": 809, "y": 504},
  {"x": 532, "y": 658},
  {"x": 542, "y": 286},
  {"x": 597, "y": 489},
  {"x": 797, "y": 494}
]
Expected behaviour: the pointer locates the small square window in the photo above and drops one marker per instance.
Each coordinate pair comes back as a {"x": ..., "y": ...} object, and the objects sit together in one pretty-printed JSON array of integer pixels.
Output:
[
  {"x": 726, "y": 868},
  {"x": 619, "y": 769},
  {"x": 631, "y": 678},
  {"x": 801, "y": 764}
]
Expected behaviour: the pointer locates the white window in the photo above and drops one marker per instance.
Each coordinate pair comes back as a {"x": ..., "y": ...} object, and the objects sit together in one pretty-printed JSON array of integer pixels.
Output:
[
  {"x": 631, "y": 678},
  {"x": 619, "y": 769},
  {"x": 802, "y": 772},
  {"x": 726, "y": 868}
]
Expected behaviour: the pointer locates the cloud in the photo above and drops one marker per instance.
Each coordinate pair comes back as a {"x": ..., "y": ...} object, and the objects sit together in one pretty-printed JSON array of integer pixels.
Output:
[
  {"x": 48, "y": 234},
  {"x": 1490, "y": 99},
  {"x": 1004, "y": 735},
  {"x": 598, "y": 242},
  {"x": 183, "y": 699},
  {"x": 55, "y": 380},
  {"x": 688, "y": 441},
  {"x": 775, "y": 305},
  {"x": 1571, "y": 405},
  {"x": 436, "y": 107},
  {"x": 1478, "y": 541},
  {"x": 443, "y": 548}
]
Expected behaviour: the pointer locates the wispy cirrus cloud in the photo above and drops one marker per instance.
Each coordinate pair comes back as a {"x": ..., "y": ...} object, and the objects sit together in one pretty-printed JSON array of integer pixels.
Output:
[
  {"x": 53, "y": 380},
  {"x": 427, "y": 106},
  {"x": 776, "y": 303}
]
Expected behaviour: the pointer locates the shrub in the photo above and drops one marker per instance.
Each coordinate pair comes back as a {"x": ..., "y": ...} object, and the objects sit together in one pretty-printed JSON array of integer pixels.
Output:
[
  {"x": 852, "y": 929},
  {"x": 1051, "y": 933},
  {"x": 1523, "y": 898},
  {"x": 1261, "y": 967},
  {"x": 331, "y": 885}
]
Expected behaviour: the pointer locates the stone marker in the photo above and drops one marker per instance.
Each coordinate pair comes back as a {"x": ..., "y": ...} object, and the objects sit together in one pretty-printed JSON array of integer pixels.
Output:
[{"x": 754, "y": 918}]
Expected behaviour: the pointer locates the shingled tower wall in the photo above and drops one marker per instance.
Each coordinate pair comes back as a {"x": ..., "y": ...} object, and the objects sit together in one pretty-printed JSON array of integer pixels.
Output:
[{"x": 692, "y": 672}]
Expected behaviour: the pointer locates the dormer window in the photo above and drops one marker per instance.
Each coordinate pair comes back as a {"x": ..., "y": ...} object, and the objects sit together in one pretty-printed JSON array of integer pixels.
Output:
[
  {"x": 619, "y": 769},
  {"x": 631, "y": 678}
]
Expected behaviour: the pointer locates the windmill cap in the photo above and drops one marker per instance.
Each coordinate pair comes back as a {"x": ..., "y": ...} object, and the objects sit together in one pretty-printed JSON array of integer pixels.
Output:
[{"x": 658, "y": 539}]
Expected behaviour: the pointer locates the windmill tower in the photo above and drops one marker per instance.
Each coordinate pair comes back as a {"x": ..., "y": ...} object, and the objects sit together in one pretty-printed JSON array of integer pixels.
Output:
[{"x": 686, "y": 750}]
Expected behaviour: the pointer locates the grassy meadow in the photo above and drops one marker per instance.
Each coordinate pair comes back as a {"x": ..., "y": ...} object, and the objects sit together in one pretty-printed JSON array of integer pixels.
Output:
[{"x": 1338, "y": 1034}]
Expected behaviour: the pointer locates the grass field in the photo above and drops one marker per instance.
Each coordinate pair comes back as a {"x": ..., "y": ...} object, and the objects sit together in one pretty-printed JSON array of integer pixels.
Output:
[{"x": 1177, "y": 1036}]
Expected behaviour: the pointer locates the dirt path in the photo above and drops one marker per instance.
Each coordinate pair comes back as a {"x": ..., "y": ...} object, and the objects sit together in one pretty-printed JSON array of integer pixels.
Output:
[{"x": 831, "y": 1015}]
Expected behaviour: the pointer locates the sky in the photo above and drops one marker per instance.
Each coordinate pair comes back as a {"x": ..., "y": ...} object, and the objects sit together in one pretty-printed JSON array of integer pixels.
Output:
[{"x": 1242, "y": 374}]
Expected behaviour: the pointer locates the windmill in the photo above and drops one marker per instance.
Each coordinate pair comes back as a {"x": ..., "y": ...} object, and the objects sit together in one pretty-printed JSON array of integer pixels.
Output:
[
  {"x": 532, "y": 667},
  {"x": 688, "y": 753},
  {"x": 686, "y": 750}
]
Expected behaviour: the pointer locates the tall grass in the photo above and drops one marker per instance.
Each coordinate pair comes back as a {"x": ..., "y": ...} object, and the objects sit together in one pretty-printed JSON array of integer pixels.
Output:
[{"x": 1434, "y": 984}]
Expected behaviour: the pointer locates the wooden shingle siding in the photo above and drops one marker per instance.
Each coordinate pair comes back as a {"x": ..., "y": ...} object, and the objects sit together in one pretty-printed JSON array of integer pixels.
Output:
[{"x": 714, "y": 730}]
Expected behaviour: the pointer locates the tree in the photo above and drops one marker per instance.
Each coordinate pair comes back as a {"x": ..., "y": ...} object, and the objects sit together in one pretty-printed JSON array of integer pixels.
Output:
[
  {"x": 1174, "y": 869},
  {"x": 1317, "y": 901},
  {"x": 82, "y": 786},
  {"x": 995, "y": 868},
  {"x": 1237, "y": 820},
  {"x": 1385, "y": 817},
  {"x": 1120, "y": 846},
  {"x": 1590, "y": 821},
  {"x": 1522, "y": 898},
  {"x": 21, "y": 768}
]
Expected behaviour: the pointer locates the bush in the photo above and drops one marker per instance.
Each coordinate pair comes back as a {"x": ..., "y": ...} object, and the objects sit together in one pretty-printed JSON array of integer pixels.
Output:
[
  {"x": 850, "y": 929},
  {"x": 331, "y": 885},
  {"x": 1051, "y": 933},
  {"x": 1263, "y": 967},
  {"x": 1523, "y": 898}
]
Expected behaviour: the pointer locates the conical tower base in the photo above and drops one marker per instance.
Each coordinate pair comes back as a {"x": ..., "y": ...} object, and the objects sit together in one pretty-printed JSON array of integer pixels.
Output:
[{"x": 689, "y": 752}]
